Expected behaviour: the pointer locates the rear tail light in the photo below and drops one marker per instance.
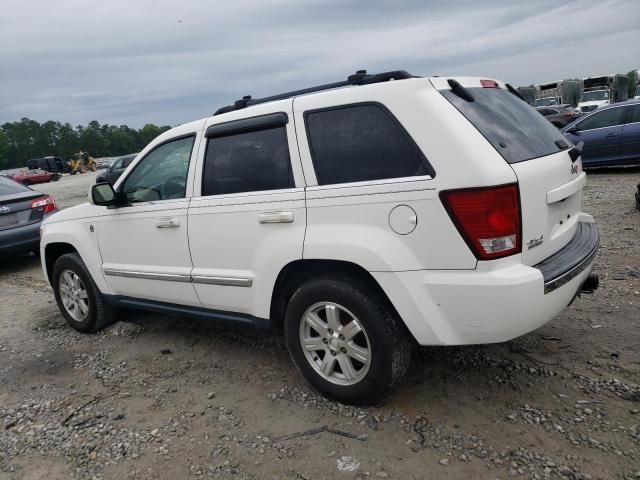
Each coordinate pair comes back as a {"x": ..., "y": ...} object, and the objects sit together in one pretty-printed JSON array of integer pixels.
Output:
[
  {"x": 487, "y": 218},
  {"x": 49, "y": 204}
]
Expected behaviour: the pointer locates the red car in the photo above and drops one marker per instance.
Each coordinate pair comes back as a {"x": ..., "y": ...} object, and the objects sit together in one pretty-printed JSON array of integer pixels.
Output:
[{"x": 30, "y": 177}]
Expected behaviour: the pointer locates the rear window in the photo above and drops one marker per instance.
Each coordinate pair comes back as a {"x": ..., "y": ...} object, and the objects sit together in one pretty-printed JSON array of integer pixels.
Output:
[
  {"x": 514, "y": 129},
  {"x": 9, "y": 187}
]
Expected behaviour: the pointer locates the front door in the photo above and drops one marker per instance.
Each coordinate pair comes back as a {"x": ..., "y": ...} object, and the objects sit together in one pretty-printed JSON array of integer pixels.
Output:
[
  {"x": 144, "y": 246},
  {"x": 601, "y": 134},
  {"x": 249, "y": 220}
]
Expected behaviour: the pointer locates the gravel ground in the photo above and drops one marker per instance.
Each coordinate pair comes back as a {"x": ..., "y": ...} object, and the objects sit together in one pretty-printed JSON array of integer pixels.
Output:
[{"x": 164, "y": 397}]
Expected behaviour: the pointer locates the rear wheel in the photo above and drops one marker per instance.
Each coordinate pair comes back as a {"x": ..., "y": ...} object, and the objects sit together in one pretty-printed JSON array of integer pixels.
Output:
[
  {"x": 26, "y": 183},
  {"x": 78, "y": 297},
  {"x": 345, "y": 341}
]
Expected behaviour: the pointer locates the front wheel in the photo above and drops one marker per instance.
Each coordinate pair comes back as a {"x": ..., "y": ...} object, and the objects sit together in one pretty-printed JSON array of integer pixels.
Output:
[
  {"x": 78, "y": 298},
  {"x": 345, "y": 340}
]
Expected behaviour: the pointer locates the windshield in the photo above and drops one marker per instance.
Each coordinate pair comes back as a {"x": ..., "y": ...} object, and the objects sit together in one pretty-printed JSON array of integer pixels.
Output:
[
  {"x": 595, "y": 95},
  {"x": 516, "y": 131},
  {"x": 544, "y": 102},
  {"x": 9, "y": 187}
]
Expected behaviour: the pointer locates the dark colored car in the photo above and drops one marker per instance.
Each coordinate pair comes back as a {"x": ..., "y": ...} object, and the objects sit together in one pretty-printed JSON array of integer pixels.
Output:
[
  {"x": 559, "y": 115},
  {"x": 112, "y": 173},
  {"x": 48, "y": 164},
  {"x": 31, "y": 177},
  {"x": 22, "y": 210},
  {"x": 611, "y": 135}
]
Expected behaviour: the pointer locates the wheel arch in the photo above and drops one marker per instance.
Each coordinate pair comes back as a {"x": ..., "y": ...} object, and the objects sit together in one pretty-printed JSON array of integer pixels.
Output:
[
  {"x": 293, "y": 274},
  {"x": 52, "y": 252}
]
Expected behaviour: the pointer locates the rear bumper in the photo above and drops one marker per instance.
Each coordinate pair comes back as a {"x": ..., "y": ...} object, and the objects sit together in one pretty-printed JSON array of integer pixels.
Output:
[
  {"x": 573, "y": 259},
  {"x": 20, "y": 239},
  {"x": 497, "y": 302}
]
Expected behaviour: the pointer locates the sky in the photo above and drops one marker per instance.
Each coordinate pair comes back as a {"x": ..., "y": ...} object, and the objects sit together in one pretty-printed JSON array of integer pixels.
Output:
[{"x": 166, "y": 62}]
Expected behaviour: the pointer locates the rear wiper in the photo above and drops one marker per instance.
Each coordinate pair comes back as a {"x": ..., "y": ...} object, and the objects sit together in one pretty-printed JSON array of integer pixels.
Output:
[{"x": 460, "y": 91}]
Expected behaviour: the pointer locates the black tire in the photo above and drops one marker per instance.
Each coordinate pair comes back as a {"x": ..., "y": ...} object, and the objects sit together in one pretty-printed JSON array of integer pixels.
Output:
[
  {"x": 100, "y": 314},
  {"x": 390, "y": 345},
  {"x": 26, "y": 183}
]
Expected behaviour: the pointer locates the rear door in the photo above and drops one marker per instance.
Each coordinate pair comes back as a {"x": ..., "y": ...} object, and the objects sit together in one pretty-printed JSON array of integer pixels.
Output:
[
  {"x": 630, "y": 138},
  {"x": 247, "y": 219},
  {"x": 550, "y": 183},
  {"x": 601, "y": 133}
]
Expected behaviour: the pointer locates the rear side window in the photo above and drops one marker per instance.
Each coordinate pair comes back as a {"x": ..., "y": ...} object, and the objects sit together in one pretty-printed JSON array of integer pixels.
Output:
[
  {"x": 247, "y": 162},
  {"x": 361, "y": 143},
  {"x": 9, "y": 187},
  {"x": 606, "y": 118},
  {"x": 514, "y": 129}
]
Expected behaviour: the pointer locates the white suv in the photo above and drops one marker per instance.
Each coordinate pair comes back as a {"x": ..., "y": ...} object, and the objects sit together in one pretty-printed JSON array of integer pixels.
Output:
[{"x": 358, "y": 218}]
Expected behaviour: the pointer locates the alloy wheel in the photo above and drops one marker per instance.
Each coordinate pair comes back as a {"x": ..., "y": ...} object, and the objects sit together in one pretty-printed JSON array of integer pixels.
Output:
[{"x": 335, "y": 343}]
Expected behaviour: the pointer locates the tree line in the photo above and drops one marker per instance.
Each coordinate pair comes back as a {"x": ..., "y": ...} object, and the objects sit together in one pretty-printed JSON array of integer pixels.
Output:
[{"x": 26, "y": 139}]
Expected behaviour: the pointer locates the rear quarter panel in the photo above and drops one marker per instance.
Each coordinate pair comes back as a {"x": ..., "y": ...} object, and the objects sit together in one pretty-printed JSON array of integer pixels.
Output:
[{"x": 351, "y": 221}]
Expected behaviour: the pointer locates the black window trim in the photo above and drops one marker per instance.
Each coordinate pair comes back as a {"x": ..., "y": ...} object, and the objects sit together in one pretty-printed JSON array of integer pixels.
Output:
[
  {"x": 248, "y": 124},
  {"x": 421, "y": 156},
  {"x": 262, "y": 124},
  {"x": 629, "y": 114},
  {"x": 624, "y": 118},
  {"x": 194, "y": 135}
]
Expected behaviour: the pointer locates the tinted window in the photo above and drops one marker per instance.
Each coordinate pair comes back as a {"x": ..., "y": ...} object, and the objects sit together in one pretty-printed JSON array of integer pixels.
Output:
[
  {"x": 162, "y": 174},
  {"x": 514, "y": 129},
  {"x": 247, "y": 162},
  {"x": 117, "y": 165},
  {"x": 606, "y": 118},
  {"x": 635, "y": 114},
  {"x": 361, "y": 143},
  {"x": 9, "y": 187}
]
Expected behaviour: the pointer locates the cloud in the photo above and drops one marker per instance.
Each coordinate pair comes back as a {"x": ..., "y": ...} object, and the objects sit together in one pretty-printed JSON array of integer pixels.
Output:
[{"x": 169, "y": 62}]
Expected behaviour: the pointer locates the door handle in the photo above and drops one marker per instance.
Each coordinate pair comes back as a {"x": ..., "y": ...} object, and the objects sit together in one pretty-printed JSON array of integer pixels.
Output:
[
  {"x": 609, "y": 135},
  {"x": 168, "y": 223},
  {"x": 275, "y": 217}
]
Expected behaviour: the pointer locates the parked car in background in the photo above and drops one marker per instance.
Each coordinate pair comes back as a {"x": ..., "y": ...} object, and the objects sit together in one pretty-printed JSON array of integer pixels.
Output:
[
  {"x": 307, "y": 228},
  {"x": 48, "y": 164},
  {"x": 611, "y": 135},
  {"x": 31, "y": 177},
  {"x": 22, "y": 210},
  {"x": 601, "y": 91},
  {"x": 559, "y": 115},
  {"x": 113, "y": 172}
]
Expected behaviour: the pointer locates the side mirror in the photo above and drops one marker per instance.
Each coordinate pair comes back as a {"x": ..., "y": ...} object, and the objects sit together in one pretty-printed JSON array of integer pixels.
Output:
[
  {"x": 103, "y": 194},
  {"x": 573, "y": 130}
]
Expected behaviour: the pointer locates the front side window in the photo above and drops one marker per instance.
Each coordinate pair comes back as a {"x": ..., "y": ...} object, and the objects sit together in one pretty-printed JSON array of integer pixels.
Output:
[
  {"x": 162, "y": 174},
  {"x": 247, "y": 162},
  {"x": 606, "y": 118},
  {"x": 361, "y": 143},
  {"x": 117, "y": 165}
]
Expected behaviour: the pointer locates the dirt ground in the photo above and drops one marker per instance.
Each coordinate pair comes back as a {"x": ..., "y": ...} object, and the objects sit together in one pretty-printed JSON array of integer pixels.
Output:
[{"x": 170, "y": 398}]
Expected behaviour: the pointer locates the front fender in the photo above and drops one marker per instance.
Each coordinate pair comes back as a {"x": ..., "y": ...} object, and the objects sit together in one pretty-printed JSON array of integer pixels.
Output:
[{"x": 80, "y": 236}]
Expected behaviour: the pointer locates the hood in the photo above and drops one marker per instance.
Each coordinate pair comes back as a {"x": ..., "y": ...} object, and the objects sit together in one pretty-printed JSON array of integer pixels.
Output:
[
  {"x": 597, "y": 103},
  {"x": 85, "y": 210}
]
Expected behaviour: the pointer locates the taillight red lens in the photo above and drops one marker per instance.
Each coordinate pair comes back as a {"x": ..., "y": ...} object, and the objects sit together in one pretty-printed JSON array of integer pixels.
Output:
[
  {"x": 49, "y": 204},
  {"x": 487, "y": 218}
]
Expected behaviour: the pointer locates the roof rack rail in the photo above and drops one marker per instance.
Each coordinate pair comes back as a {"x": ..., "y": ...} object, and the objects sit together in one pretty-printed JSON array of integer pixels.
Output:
[{"x": 361, "y": 77}]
